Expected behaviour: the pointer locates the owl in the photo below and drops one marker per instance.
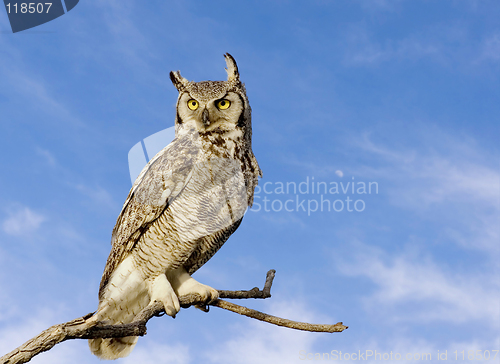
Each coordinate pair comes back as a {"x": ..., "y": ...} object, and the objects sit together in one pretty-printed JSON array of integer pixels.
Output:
[{"x": 185, "y": 204}]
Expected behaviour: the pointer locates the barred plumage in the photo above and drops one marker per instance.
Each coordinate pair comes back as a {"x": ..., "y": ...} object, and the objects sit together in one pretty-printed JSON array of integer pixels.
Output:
[{"x": 183, "y": 206}]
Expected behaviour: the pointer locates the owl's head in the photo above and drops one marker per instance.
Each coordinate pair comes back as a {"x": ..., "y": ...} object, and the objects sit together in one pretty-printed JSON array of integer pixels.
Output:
[{"x": 219, "y": 107}]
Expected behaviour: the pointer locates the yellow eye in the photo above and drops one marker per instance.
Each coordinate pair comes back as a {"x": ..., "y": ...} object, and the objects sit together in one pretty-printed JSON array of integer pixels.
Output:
[
  {"x": 223, "y": 104},
  {"x": 193, "y": 104}
]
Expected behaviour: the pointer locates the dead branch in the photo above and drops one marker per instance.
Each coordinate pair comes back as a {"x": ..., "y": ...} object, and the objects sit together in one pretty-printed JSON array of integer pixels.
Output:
[
  {"x": 304, "y": 326},
  {"x": 80, "y": 329}
]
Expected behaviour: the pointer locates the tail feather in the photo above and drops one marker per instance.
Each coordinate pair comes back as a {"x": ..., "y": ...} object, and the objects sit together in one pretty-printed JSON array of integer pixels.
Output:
[
  {"x": 124, "y": 296},
  {"x": 113, "y": 348}
]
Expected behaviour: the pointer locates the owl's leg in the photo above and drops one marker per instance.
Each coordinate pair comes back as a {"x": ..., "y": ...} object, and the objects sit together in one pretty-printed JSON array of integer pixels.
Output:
[
  {"x": 184, "y": 284},
  {"x": 161, "y": 290}
]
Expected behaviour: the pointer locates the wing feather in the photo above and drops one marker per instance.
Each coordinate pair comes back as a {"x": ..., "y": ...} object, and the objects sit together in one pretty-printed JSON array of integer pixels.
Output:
[{"x": 159, "y": 183}]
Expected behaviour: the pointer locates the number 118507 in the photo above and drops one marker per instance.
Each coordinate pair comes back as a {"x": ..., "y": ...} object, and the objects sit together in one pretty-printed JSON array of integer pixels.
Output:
[{"x": 30, "y": 8}]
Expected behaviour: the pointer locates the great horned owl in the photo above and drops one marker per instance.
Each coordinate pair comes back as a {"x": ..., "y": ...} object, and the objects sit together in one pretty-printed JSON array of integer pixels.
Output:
[{"x": 182, "y": 208}]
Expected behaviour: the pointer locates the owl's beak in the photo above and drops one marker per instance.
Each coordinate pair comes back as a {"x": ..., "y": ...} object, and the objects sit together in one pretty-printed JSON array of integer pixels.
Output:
[{"x": 206, "y": 118}]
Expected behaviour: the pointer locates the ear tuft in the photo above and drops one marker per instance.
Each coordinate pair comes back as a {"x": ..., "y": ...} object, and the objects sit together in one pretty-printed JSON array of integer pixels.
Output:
[
  {"x": 178, "y": 81},
  {"x": 232, "y": 68}
]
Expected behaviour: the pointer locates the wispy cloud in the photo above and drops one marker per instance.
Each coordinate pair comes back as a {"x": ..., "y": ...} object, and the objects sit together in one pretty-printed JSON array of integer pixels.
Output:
[
  {"x": 404, "y": 280},
  {"x": 450, "y": 45},
  {"x": 380, "y": 5},
  {"x": 129, "y": 39},
  {"x": 154, "y": 353},
  {"x": 25, "y": 327},
  {"x": 411, "y": 49},
  {"x": 47, "y": 156},
  {"x": 263, "y": 343},
  {"x": 27, "y": 224},
  {"x": 442, "y": 178},
  {"x": 491, "y": 48},
  {"x": 98, "y": 195},
  {"x": 448, "y": 176},
  {"x": 24, "y": 83},
  {"x": 22, "y": 221},
  {"x": 361, "y": 49}
]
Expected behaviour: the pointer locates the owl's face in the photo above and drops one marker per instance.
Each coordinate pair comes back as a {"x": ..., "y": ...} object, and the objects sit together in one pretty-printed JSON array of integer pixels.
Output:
[
  {"x": 210, "y": 111},
  {"x": 214, "y": 107}
]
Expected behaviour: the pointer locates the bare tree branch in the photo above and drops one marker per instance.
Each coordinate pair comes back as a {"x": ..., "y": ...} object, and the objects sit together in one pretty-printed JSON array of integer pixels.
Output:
[
  {"x": 81, "y": 329},
  {"x": 304, "y": 326}
]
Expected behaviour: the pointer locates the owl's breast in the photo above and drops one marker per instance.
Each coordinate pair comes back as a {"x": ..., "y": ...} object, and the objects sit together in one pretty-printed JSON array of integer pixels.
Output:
[{"x": 211, "y": 204}]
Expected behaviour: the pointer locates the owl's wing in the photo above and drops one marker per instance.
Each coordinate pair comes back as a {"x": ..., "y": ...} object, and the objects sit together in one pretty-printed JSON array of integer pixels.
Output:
[{"x": 159, "y": 183}]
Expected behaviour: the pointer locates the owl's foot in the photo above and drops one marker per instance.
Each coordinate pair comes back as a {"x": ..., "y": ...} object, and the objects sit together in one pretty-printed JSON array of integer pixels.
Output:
[
  {"x": 192, "y": 286},
  {"x": 160, "y": 290},
  {"x": 184, "y": 284}
]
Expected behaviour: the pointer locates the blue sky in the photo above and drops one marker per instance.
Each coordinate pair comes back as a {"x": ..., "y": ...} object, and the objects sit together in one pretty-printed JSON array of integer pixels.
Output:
[{"x": 401, "y": 93}]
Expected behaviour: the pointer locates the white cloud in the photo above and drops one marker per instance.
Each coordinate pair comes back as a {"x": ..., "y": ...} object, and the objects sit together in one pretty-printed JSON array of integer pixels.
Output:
[
  {"x": 98, "y": 195},
  {"x": 47, "y": 155},
  {"x": 129, "y": 39},
  {"x": 154, "y": 353},
  {"x": 259, "y": 342},
  {"x": 442, "y": 179},
  {"x": 380, "y": 5},
  {"x": 449, "y": 44},
  {"x": 19, "y": 79},
  {"x": 491, "y": 48},
  {"x": 404, "y": 49},
  {"x": 27, "y": 327},
  {"x": 362, "y": 50},
  {"x": 446, "y": 176},
  {"x": 280, "y": 219},
  {"x": 411, "y": 279},
  {"x": 22, "y": 221}
]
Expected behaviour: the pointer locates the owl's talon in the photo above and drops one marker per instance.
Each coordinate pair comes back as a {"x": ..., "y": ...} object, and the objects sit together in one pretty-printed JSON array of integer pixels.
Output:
[
  {"x": 191, "y": 286},
  {"x": 204, "y": 308},
  {"x": 184, "y": 285},
  {"x": 169, "y": 310},
  {"x": 161, "y": 291}
]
